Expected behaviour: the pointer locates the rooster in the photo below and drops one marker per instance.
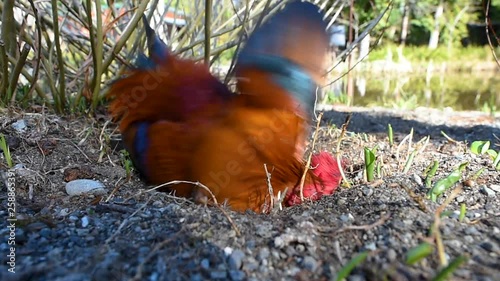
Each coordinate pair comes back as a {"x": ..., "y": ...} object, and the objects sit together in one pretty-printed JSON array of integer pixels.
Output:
[
  {"x": 163, "y": 105},
  {"x": 255, "y": 151}
]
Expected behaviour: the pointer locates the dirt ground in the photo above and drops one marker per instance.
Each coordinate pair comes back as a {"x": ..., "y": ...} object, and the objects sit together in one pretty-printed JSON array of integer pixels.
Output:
[{"x": 128, "y": 233}]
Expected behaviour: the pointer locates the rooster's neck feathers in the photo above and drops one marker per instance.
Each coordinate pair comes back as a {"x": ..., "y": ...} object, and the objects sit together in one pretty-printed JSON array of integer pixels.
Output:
[{"x": 286, "y": 74}]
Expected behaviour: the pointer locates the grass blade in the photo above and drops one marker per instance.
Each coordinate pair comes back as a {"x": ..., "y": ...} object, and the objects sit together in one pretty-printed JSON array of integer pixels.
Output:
[
  {"x": 346, "y": 270},
  {"x": 445, "y": 272},
  {"x": 463, "y": 210},
  {"x": 431, "y": 173},
  {"x": 6, "y": 151},
  {"x": 418, "y": 253}
]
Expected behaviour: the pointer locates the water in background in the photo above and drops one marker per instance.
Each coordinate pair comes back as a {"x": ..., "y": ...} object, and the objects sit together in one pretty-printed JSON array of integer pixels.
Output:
[{"x": 459, "y": 91}]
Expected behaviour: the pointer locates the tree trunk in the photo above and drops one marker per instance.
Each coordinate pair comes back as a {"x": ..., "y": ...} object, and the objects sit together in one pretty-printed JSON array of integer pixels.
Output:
[
  {"x": 434, "y": 40},
  {"x": 405, "y": 23},
  {"x": 9, "y": 28}
]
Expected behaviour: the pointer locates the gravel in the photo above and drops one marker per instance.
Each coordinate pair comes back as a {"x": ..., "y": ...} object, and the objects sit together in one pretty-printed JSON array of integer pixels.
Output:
[{"x": 134, "y": 235}]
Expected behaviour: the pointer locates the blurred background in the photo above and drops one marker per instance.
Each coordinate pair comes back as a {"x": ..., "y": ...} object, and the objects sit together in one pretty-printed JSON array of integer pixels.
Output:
[{"x": 405, "y": 54}]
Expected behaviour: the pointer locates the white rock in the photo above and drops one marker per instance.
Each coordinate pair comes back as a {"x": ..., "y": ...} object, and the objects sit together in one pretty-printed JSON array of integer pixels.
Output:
[
  {"x": 488, "y": 192},
  {"x": 85, "y": 221},
  {"x": 83, "y": 186},
  {"x": 19, "y": 126}
]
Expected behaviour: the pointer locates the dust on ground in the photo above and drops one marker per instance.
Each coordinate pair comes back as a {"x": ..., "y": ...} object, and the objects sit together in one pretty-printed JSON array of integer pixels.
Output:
[{"x": 141, "y": 235}]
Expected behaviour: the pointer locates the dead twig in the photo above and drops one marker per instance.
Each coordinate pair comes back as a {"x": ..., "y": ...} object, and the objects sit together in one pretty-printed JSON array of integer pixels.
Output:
[
  {"x": 269, "y": 186},
  {"x": 487, "y": 20},
  {"x": 416, "y": 198},
  {"x": 114, "y": 207},
  {"x": 436, "y": 233},
  {"x": 308, "y": 163},
  {"x": 339, "y": 142},
  {"x": 379, "y": 222}
]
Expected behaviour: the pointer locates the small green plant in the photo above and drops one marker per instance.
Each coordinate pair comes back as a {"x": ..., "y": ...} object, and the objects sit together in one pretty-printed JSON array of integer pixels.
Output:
[
  {"x": 463, "y": 211},
  {"x": 418, "y": 253},
  {"x": 390, "y": 134},
  {"x": 445, "y": 272},
  {"x": 483, "y": 147},
  {"x": 126, "y": 162},
  {"x": 446, "y": 183},
  {"x": 370, "y": 163},
  {"x": 431, "y": 173},
  {"x": 336, "y": 98},
  {"x": 355, "y": 261},
  {"x": 6, "y": 151}
]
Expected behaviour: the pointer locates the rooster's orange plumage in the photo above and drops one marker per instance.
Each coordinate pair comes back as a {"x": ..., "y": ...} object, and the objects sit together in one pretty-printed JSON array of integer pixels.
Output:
[{"x": 163, "y": 105}]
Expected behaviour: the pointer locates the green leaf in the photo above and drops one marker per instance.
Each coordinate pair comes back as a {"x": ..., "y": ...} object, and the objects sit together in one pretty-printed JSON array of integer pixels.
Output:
[
  {"x": 431, "y": 173},
  {"x": 496, "y": 162},
  {"x": 369, "y": 164},
  {"x": 390, "y": 134},
  {"x": 446, "y": 183},
  {"x": 443, "y": 274},
  {"x": 346, "y": 270},
  {"x": 418, "y": 253},
  {"x": 492, "y": 153},
  {"x": 480, "y": 147},
  {"x": 463, "y": 210}
]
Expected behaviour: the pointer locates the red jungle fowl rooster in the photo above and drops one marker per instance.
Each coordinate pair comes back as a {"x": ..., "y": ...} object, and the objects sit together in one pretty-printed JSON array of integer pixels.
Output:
[
  {"x": 180, "y": 123},
  {"x": 267, "y": 124}
]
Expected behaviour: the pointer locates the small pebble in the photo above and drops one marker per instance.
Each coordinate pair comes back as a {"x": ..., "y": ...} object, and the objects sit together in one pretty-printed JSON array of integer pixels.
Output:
[
  {"x": 367, "y": 191},
  {"x": 300, "y": 248},
  {"x": 205, "y": 264},
  {"x": 46, "y": 233},
  {"x": 471, "y": 230},
  {"x": 346, "y": 217},
  {"x": 19, "y": 126},
  {"x": 490, "y": 247},
  {"x": 157, "y": 204},
  {"x": 487, "y": 191},
  {"x": 228, "y": 251},
  {"x": 250, "y": 265},
  {"x": 263, "y": 254},
  {"x": 417, "y": 179},
  {"x": 341, "y": 202},
  {"x": 371, "y": 246},
  {"x": 391, "y": 255},
  {"x": 85, "y": 221},
  {"x": 469, "y": 183},
  {"x": 236, "y": 259},
  {"x": 218, "y": 275},
  {"x": 468, "y": 239},
  {"x": 310, "y": 263},
  {"x": 236, "y": 275}
]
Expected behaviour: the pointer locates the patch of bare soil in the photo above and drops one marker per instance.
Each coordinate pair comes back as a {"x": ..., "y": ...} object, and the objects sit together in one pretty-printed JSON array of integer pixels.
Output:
[{"x": 128, "y": 233}]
